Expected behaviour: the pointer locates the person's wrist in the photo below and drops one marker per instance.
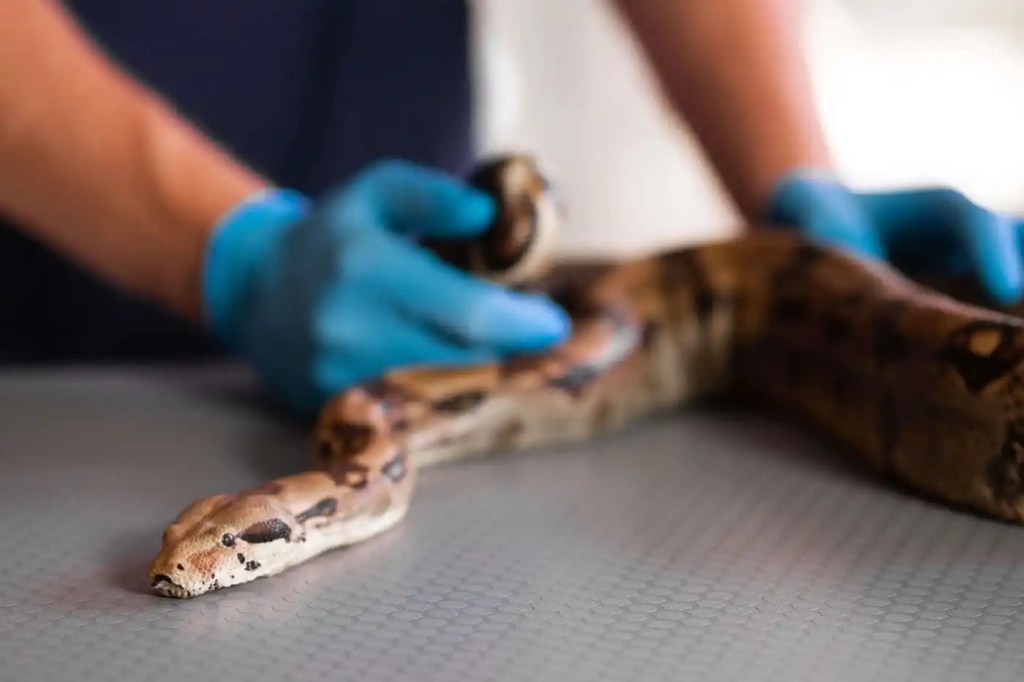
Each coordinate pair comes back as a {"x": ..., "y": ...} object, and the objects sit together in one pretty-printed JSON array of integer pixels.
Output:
[
  {"x": 820, "y": 206},
  {"x": 240, "y": 241},
  {"x": 794, "y": 193}
]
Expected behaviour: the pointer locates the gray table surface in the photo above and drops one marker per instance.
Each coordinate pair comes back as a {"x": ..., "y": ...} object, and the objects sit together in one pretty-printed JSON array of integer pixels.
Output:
[{"x": 706, "y": 545}]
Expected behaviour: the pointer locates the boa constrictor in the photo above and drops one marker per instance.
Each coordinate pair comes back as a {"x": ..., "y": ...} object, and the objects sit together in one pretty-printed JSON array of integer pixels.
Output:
[{"x": 923, "y": 387}]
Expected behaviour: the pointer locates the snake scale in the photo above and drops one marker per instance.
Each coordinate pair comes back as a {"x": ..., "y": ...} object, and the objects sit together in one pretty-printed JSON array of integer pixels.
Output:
[{"x": 924, "y": 387}]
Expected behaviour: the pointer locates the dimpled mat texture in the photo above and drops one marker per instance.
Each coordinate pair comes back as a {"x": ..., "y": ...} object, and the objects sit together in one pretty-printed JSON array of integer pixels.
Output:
[{"x": 710, "y": 545}]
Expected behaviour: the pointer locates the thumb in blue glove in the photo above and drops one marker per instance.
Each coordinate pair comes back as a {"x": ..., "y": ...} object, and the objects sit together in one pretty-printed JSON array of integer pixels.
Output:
[
  {"x": 320, "y": 296},
  {"x": 933, "y": 231}
]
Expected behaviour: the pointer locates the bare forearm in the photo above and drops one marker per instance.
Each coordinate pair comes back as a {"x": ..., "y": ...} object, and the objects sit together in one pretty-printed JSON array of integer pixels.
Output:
[
  {"x": 734, "y": 70},
  {"x": 101, "y": 169}
]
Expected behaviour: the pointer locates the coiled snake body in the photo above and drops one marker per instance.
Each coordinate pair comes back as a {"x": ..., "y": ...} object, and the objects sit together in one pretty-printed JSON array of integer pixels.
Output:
[{"x": 921, "y": 386}]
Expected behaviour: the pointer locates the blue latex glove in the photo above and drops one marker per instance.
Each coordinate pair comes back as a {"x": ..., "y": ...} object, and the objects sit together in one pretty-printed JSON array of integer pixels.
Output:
[
  {"x": 935, "y": 231},
  {"x": 319, "y": 296}
]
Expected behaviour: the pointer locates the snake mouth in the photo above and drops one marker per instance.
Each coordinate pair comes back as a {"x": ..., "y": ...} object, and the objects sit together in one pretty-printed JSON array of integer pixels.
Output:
[{"x": 163, "y": 584}]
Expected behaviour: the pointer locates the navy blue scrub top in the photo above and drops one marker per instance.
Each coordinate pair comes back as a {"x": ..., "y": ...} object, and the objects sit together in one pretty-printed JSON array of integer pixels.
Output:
[{"x": 305, "y": 91}]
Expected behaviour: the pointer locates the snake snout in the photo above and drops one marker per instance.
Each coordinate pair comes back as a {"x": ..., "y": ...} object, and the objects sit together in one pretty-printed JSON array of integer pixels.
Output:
[{"x": 163, "y": 584}]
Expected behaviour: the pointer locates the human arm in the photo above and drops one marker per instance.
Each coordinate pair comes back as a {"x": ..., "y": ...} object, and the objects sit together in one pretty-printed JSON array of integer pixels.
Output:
[
  {"x": 314, "y": 294},
  {"x": 100, "y": 168},
  {"x": 734, "y": 70}
]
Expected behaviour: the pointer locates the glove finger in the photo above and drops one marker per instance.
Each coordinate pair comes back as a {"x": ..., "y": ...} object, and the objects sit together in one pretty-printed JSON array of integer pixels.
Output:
[
  {"x": 413, "y": 199},
  {"x": 367, "y": 326},
  {"x": 402, "y": 345},
  {"x": 993, "y": 243},
  {"x": 472, "y": 312},
  {"x": 917, "y": 222},
  {"x": 921, "y": 228}
]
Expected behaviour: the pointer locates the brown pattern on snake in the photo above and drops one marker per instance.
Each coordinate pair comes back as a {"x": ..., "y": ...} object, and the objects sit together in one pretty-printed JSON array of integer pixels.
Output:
[
  {"x": 325, "y": 507},
  {"x": 922, "y": 387},
  {"x": 982, "y": 351}
]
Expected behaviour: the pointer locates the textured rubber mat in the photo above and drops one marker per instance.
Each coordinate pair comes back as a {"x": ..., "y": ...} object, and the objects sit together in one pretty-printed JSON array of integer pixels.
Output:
[{"x": 702, "y": 546}]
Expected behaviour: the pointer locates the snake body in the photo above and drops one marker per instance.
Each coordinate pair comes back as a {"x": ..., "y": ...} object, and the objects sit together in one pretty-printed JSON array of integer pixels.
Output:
[{"x": 923, "y": 387}]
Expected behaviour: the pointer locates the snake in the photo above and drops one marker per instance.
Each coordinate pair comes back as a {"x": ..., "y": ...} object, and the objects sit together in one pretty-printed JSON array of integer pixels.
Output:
[{"x": 918, "y": 381}]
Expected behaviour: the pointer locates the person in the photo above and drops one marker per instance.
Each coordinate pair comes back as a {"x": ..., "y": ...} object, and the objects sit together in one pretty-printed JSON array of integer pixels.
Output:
[{"x": 184, "y": 177}]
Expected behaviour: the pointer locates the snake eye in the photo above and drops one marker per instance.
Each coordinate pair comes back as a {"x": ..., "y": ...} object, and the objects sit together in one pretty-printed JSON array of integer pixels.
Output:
[{"x": 228, "y": 540}]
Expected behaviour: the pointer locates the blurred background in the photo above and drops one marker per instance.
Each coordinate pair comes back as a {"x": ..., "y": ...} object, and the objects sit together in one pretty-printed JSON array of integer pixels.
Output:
[{"x": 916, "y": 91}]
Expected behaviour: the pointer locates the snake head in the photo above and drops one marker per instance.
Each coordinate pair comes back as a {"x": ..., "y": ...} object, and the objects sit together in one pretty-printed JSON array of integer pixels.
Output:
[{"x": 224, "y": 541}]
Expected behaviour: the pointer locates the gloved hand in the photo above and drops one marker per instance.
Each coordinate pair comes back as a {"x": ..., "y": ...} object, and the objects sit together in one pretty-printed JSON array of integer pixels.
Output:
[
  {"x": 934, "y": 231},
  {"x": 319, "y": 296}
]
